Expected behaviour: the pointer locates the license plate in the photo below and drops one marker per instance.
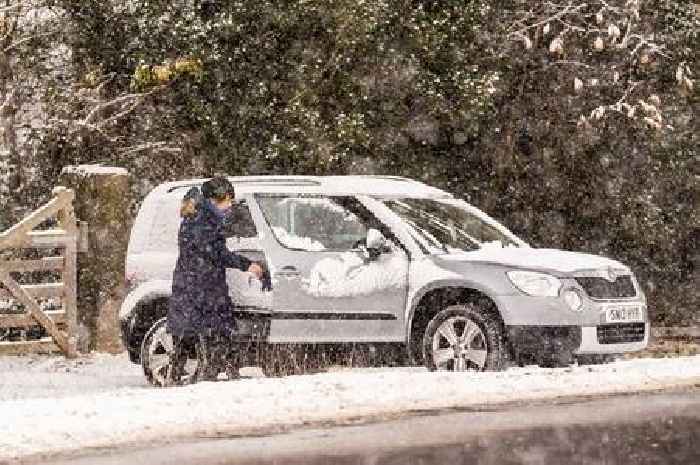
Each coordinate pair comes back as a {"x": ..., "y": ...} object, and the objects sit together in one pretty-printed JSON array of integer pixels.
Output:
[{"x": 617, "y": 314}]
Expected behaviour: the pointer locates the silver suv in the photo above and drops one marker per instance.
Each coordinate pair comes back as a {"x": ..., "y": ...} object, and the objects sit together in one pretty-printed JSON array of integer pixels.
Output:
[{"x": 384, "y": 263}]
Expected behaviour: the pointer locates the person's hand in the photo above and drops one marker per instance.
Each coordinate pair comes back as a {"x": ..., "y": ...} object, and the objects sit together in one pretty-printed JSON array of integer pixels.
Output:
[{"x": 256, "y": 269}]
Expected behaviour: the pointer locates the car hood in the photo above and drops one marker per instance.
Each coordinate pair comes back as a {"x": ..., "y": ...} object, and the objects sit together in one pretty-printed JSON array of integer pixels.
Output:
[{"x": 550, "y": 260}]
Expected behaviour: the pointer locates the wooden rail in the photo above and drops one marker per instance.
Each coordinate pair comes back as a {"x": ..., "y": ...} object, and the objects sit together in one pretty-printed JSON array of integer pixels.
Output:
[
  {"x": 23, "y": 320},
  {"x": 36, "y": 291},
  {"x": 64, "y": 237},
  {"x": 41, "y": 264},
  {"x": 40, "y": 346}
]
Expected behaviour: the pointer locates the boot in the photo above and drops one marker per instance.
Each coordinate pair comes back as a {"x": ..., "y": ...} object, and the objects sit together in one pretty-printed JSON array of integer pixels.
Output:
[
  {"x": 176, "y": 367},
  {"x": 206, "y": 366},
  {"x": 232, "y": 371}
]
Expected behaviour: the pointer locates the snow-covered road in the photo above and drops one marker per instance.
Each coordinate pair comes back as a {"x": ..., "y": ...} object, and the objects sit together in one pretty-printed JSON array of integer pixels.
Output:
[{"x": 51, "y": 405}]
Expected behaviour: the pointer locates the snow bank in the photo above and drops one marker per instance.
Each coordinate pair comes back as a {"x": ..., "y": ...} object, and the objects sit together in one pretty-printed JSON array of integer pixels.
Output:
[
  {"x": 349, "y": 275},
  {"x": 37, "y": 376},
  {"x": 91, "y": 416}
]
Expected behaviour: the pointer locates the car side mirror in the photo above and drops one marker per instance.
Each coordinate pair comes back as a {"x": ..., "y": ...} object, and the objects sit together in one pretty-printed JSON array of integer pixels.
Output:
[{"x": 375, "y": 240}]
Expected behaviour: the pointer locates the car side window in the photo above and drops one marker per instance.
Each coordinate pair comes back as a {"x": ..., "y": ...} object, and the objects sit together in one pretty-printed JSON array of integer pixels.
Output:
[
  {"x": 239, "y": 222},
  {"x": 316, "y": 223},
  {"x": 162, "y": 236}
]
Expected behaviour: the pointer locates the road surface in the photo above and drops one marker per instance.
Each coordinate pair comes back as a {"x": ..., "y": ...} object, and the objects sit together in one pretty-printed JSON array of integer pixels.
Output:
[{"x": 660, "y": 428}]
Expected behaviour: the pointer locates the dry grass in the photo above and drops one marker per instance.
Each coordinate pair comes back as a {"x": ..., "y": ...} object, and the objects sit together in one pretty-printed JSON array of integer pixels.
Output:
[{"x": 664, "y": 348}]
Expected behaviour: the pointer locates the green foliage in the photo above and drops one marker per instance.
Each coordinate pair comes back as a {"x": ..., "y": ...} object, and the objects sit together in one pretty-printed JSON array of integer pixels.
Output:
[
  {"x": 299, "y": 84},
  {"x": 148, "y": 76}
]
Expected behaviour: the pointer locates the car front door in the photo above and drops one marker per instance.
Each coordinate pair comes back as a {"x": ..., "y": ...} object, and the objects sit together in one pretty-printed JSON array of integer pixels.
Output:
[{"x": 327, "y": 287}]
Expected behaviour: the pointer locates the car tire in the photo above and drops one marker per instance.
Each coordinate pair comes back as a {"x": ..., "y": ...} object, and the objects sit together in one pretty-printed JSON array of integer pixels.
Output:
[
  {"x": 554, "y": 361},
  {"x": 155, "y": 357},
  {"x": 475, "y": 341},
  {"x": 598, "y": 359}
]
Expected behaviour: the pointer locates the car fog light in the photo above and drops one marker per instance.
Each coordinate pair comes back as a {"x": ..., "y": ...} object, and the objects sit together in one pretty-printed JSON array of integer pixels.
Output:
[{"x": 573, "y": 300}]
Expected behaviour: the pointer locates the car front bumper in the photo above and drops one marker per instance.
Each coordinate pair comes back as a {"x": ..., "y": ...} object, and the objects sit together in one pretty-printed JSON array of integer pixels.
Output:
[
  {"x": 591, "y": 342},
  {"x": 524, "y": 310},
  {"x": 562, "y": 342},
  {"x": 547, "y": 324}
]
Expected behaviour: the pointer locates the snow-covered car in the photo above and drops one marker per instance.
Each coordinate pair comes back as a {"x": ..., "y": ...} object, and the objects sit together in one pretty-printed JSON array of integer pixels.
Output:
[{"x": 386, "y": 262}]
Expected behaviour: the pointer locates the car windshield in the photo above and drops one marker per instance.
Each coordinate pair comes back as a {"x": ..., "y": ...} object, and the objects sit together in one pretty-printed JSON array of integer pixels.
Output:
[{"x": 449, "y": 225}]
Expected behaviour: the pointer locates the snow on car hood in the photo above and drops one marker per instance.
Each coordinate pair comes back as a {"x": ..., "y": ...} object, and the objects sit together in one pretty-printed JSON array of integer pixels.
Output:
[{"x": 531, "y": 258}]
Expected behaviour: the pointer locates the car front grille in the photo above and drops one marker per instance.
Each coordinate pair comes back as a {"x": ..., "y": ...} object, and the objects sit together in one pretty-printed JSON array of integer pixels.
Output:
[
  {"x": 621, "y": 333},
  {"x": 601, "y": 288}
]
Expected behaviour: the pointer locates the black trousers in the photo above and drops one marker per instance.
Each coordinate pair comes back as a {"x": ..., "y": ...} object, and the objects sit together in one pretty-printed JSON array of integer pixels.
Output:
[
  {"x": 216, "y": 353},
  {"x": 182, "y": 344}
]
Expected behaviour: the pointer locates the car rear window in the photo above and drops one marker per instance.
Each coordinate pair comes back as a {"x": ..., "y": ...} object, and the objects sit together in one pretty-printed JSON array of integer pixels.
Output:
[{"x": 166, "y": 225}]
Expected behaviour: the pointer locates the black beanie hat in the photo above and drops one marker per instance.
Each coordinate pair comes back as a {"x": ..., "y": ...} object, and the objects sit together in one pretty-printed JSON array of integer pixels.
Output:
[{"x": 217, "y": 188}]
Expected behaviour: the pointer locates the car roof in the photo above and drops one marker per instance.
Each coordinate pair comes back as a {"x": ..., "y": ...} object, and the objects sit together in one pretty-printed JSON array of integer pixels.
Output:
[{"x": 375, "y": 185}]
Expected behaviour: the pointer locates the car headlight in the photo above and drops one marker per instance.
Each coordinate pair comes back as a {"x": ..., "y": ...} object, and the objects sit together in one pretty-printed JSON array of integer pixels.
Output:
[
  {"x": 573, "y": 299},
  {"x": 534, "y": 283}
]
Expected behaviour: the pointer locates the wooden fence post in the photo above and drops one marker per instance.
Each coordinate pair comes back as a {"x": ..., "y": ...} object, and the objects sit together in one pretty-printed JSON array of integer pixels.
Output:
[
  {"x": 102, "y": 199},
  {"x": 67, "y": 222}
]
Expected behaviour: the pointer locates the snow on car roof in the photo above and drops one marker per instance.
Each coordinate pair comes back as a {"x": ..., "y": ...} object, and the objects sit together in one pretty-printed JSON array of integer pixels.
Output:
[{"x": 329, "y": 185}]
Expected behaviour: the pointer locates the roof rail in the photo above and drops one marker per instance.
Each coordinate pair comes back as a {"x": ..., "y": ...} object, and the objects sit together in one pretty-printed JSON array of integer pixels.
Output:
[
  {"x": 277, "y": 181},
  {"x": 389, "y": 177},
  {"x": 258, "y": 181}
]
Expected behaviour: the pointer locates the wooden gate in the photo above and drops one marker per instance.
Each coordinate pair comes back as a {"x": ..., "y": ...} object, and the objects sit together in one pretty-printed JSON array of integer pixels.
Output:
[{"x": 61, "y": 325}]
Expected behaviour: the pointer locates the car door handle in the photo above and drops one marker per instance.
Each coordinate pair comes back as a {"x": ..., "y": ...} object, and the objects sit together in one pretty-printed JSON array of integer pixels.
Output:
[{"x": 288, "y": 272}]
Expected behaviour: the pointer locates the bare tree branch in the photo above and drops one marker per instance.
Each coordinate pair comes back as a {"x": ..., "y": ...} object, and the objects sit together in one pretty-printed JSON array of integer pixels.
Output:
[
  {"x": 158, "y": 146},
  {"x": 136, "y": 100},
  {"x": 27, "y": 39},
  {"x": 574, "y": 63},
  {"x": 9, "y": 101},
  {"x": 5, "y": 9},
  {"x": 568, "y": 9}
]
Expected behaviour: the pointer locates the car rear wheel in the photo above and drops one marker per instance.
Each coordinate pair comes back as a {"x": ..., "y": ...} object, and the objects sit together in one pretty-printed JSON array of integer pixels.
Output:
[
  {"x": 464, "y": 338},
  {"x": 156, "y": 352}
]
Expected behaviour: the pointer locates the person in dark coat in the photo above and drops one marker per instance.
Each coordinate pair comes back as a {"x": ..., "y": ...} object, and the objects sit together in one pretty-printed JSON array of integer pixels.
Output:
[{"x": 200, "y": 305}]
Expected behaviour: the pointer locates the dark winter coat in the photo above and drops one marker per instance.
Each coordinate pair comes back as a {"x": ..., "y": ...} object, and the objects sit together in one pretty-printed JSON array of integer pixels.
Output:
[{"x": 200, "y": 299}]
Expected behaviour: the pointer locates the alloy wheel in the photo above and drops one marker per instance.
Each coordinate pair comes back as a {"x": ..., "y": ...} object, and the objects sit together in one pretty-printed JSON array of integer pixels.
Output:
[{"x": 459, "y": 344}]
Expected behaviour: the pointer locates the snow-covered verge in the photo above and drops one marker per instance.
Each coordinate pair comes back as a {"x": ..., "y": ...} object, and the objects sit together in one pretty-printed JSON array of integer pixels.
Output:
[
  {"x": 104, "y": 402},
  {"x": 39, "y": 376}
]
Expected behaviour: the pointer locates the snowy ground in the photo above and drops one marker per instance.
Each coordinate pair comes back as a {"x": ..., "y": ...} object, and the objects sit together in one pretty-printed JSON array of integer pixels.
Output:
[{"x": 51, "y": 405}]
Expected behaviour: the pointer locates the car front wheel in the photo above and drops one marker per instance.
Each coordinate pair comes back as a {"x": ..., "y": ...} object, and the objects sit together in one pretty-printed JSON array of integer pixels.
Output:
[{"x": 464, "y": 338}]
